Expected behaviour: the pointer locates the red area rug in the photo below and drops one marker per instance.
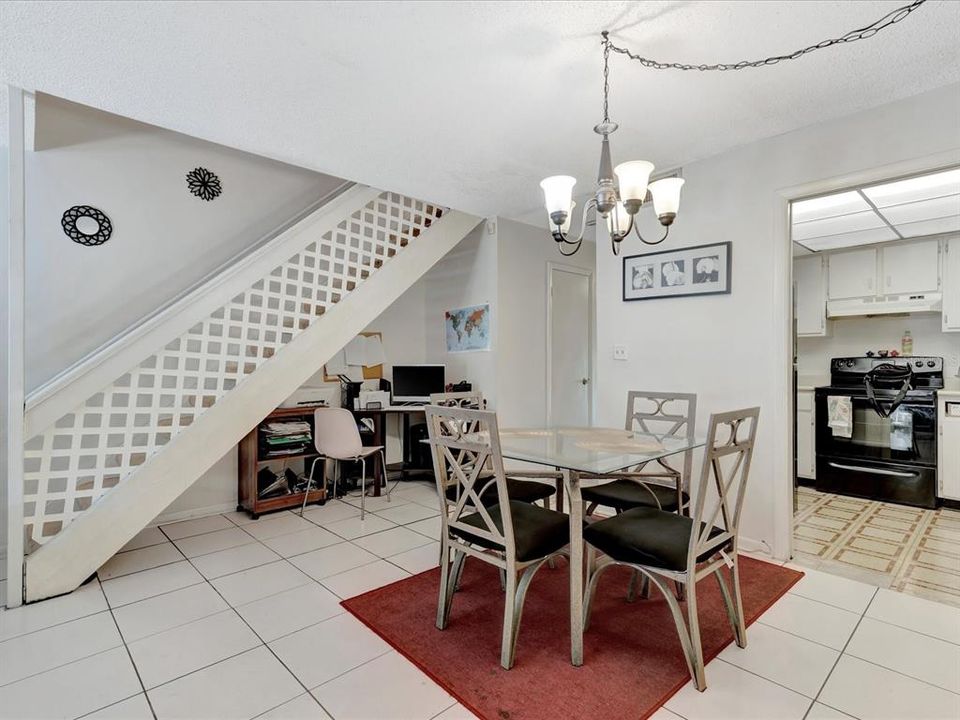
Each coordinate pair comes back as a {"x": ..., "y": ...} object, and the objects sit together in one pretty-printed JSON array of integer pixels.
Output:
[{"x": 632, "y": 657}]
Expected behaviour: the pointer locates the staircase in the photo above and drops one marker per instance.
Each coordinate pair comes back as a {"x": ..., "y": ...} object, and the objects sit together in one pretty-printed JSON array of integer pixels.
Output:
[{"x": 114, "y": 446}]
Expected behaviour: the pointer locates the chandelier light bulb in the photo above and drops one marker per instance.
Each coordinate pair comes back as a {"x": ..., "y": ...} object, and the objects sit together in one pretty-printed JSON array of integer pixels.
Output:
[
  {"x": 558, "y": 197},
  {"x": 666, "y": 198},
  {"x": 618, "y": 221},
  {"x": 633, "y": 177}
]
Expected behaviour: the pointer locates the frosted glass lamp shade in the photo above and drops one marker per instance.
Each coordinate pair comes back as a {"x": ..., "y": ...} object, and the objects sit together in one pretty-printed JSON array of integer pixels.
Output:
[
  {"x": 666, "y": 196},
  {"x": 633, "y": 177},
  {"x": 558, "y": 193},
  {"x": 618, "y": 221}
]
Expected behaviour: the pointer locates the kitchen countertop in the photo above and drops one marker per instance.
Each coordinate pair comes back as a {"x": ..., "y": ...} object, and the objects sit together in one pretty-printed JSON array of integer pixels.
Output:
[
  {"x": 806, "y": 383},
  {"x": 951, "y": 388}
]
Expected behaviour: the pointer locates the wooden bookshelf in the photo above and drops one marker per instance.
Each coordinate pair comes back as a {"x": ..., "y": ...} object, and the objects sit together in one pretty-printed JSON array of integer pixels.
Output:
[{"x": 252, "y": 460}]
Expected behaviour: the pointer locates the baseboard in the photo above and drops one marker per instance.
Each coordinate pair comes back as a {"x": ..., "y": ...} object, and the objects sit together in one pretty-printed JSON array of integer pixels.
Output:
[
  {"x": 192, "y": 514},
  {"x": 757, "y": 547}
]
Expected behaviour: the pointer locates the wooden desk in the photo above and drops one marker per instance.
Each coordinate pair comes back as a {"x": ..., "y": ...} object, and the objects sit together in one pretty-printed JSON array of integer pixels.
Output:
[
  {"x": 379, "y": 436},
  {"x": 251, "y": 461}
]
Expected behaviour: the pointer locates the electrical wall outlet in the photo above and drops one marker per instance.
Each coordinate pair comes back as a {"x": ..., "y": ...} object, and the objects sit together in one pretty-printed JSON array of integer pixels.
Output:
[{"x": 619, "y": 352}]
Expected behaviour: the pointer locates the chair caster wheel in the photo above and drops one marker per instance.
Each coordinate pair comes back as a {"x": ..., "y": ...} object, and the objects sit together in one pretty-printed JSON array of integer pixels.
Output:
[
  {"x": 322, "y": 502},
  {"x": 240, "y": 508},
  {"x": 254, "y": 516}
]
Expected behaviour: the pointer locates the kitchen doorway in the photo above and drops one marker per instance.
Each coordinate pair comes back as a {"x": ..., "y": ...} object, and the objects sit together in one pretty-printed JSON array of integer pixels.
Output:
[{"x": 875, "y": 267}]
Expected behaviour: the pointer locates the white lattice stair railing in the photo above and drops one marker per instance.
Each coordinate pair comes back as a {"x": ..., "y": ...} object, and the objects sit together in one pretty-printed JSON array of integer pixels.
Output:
[{"x": 104, "y": 470}]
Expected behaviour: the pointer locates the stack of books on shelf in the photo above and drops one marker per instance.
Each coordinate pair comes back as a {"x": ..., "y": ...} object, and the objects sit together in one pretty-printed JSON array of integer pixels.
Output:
[{"x": 281, "y": 439}]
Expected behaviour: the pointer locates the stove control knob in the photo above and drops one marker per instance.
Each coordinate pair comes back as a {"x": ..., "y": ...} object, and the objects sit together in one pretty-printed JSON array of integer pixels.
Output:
[
  {"x": 919, "y": 363},
  {"x": 931, "y": 363},
  {"x": 849, "y": 363}
]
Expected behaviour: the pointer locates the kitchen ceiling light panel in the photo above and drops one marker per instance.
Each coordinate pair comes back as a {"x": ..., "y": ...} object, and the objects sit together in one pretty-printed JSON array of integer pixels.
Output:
[
  {"x": 933, "y": 209},
  {"x": 913, "y": 189},
  {"x": 929, "y": 227},
  {"x": 840, "y": 224},
  {"x": 828, "y": 206},
  {"x": 850, "y": 239}
]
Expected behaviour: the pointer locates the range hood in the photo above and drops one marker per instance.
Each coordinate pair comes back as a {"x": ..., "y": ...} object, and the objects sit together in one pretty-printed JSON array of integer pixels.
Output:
[{"x": 886, "y": 305}]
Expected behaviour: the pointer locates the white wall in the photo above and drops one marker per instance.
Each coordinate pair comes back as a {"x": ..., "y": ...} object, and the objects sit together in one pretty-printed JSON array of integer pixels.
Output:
[
  {"x": 854, "y": 336},
  {"x": 4, "y": 203},
  {"x": 523, "y": 254},
  {"x": 164, "y": 239},
  {"x": 725, "y": 347},
  {"x": 466, "y": 276}
]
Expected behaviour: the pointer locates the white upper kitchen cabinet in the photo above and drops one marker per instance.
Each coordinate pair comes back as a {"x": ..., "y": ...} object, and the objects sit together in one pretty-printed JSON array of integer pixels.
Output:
[
  {"x": 910, "y": 268},
  {"x": 810, "y": 298},
  {"x": 853, "y": 274},
  {"x": 951, "y": 284}
]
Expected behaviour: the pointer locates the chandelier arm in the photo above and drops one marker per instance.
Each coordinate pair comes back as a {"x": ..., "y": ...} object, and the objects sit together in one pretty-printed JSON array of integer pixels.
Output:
[
  {"x": 666, "y": 232},
  {"x": 562, "y": 238},
  {"x": 891, "y": 18},
  {"x": 578, "y": 243}
]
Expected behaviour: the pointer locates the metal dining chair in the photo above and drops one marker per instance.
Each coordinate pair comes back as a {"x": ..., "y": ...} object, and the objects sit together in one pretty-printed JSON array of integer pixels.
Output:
[
  {"x": 337, "y": 438},
  {"x": 521, "y": 483},
  {"x": 517, "y": 537},
  {"x": 663, "y": 487},
  {"x": 666, "y": 546}
]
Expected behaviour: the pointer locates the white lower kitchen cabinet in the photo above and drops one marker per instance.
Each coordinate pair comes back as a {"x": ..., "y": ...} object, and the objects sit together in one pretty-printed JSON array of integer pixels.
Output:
[
  {"x": 948, "y": 465},
  {"x": 806, "y": 437}
]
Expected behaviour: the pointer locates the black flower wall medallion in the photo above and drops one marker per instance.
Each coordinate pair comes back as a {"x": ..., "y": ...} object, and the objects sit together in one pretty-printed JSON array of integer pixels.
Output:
[
  {"x": 86, "y": 225},
  {"x": 204, "y": 184}
]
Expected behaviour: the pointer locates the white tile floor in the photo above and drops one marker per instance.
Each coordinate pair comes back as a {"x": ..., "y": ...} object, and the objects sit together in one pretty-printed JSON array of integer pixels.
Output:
[{"x": 241, "y": 619}]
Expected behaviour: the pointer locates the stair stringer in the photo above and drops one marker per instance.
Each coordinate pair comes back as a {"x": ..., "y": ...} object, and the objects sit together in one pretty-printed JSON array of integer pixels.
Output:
[{"x": 65, "y": 561}]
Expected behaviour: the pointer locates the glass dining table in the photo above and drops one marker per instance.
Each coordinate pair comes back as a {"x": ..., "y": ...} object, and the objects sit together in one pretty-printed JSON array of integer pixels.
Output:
[{"x": 589, "y": 452}]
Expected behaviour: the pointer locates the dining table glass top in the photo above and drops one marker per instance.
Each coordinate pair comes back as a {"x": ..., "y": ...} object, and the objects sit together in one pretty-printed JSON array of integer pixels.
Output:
[{"x": 590, "y": 449}]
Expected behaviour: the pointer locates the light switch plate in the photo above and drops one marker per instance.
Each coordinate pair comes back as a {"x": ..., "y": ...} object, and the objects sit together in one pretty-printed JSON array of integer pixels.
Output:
[{"x": 619, "y": 352}]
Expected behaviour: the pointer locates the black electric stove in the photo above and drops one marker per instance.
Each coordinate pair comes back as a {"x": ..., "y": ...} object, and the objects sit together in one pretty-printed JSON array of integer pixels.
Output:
[{"x": 887, "y": 450}]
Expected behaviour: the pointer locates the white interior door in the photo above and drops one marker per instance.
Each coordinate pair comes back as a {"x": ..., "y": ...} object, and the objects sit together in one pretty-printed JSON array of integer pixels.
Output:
[{"x": 570, "y": 346}]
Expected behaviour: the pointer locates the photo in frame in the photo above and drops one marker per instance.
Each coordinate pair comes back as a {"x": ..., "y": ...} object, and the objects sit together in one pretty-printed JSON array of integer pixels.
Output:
[{"x": 700, "y": 270}]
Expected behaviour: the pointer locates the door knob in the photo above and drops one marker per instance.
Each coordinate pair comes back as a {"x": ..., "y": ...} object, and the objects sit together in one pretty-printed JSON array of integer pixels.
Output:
[{"x": 584, "y": 381}]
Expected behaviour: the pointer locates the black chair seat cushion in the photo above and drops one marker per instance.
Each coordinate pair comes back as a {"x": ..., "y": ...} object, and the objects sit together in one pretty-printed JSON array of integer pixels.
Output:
[
  {"x": 538, "y": 532},
  {"x": 646, "y": 536},
  {"x": 523, "y": 490},
  {"x": 626, "y": 494}
]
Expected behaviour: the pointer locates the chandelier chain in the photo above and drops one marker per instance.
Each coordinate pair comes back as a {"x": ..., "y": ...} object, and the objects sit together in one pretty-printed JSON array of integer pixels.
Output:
[
  {"x": 863, "y": 33},
  {"x": 606, "y": 77}
]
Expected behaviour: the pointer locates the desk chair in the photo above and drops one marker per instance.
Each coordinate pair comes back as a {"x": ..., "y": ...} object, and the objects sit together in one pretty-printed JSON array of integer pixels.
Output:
[
  {"x": 517, "y": 537},
  {"x": 517, "y": 488},
  {"x": 666, "y": 546},
  {"x": 337, "y": 438}
]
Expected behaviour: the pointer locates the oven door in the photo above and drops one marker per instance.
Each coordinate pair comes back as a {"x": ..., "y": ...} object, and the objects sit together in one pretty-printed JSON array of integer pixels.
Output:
[
  {"x": 907, "y": 436},
  {"x": 889, "y": 482}
]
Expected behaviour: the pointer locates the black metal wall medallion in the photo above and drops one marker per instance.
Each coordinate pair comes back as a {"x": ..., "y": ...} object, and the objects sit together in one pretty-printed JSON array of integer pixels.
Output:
[
  {"x": 204, "y": 184},
  {"x": 86, "y": 225}
]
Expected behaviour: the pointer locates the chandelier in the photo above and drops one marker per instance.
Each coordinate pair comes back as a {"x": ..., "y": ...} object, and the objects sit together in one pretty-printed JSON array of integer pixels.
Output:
[{"x": 622, "y": 190}]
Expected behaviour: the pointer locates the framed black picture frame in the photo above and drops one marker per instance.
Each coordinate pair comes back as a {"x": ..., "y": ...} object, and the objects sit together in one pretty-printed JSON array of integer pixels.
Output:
[{"x": 682, "y": 272}]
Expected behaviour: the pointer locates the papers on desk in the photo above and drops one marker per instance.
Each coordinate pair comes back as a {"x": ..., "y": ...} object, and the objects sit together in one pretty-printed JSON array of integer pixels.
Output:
[{"x": 363, "y": 351}]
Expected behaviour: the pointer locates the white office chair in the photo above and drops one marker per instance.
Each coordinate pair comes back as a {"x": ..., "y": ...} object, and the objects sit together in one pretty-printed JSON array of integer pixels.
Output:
[{"x": 336, "y": 437}]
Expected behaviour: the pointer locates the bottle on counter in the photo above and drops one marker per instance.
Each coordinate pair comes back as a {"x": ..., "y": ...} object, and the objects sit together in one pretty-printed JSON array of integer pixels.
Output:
[{"x": 906, "y": 343}]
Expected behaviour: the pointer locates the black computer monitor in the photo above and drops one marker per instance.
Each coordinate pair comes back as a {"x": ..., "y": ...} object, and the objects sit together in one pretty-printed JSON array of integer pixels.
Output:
[{"x": 415, "y": 383}]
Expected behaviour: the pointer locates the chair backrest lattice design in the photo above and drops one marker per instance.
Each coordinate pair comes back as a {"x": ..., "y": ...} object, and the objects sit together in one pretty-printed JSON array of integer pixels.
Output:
[
  {"x": 666, "y": 414},
  {"x": 465, "y": 445},
  {"x": 731, "y": 437},
  {"x": 95, "y": 446}
]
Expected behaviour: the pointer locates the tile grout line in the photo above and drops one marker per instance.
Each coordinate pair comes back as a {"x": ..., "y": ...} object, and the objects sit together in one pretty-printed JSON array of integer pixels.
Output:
[
  {"x": 843, "y": 652},
  {"x": 130, "y": 655}
]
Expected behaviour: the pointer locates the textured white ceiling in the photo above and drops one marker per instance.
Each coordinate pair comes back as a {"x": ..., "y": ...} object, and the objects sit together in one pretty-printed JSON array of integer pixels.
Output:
[{"x": 470, "y": 103}]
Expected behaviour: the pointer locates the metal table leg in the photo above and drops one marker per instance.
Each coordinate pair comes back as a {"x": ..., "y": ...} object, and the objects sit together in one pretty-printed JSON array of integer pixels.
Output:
[{"x": 572, "y": 482}]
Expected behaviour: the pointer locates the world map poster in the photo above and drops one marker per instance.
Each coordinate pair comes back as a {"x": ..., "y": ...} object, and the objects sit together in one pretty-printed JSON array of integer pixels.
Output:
[{"x": 468, "y": 328}]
